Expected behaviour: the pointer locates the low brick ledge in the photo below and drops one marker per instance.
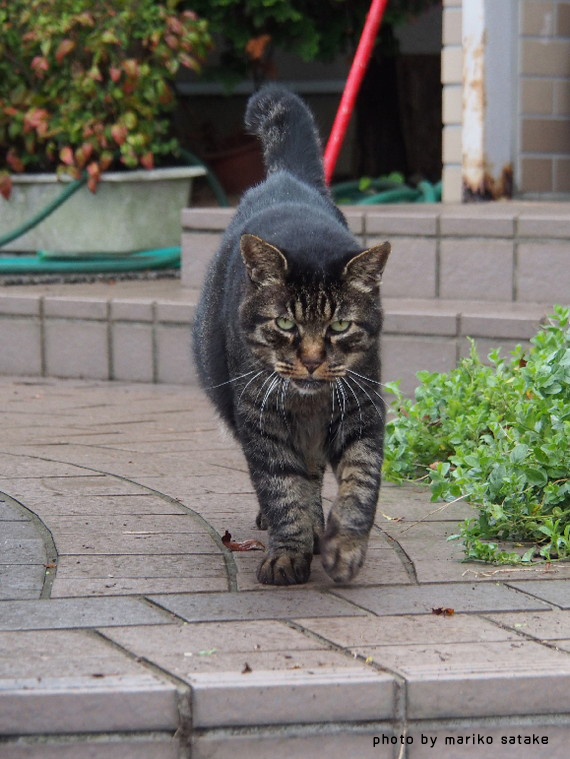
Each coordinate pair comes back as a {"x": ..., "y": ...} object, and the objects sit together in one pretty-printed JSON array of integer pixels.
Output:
[
  {"x": 505, "y": 252},
  {"x": 130, "y": 338}
]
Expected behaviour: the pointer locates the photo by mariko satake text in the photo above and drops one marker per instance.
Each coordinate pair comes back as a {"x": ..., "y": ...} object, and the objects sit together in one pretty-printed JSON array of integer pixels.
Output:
[{"x": 470, "y": 739}]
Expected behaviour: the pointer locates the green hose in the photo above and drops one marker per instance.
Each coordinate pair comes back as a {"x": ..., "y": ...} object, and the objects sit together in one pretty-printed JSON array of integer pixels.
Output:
[
  {"x": 213, "y": 181},
  {"x": 71, "y": 188},
  {"x": 44, "y": 263},
  {"x": 387, "y": 191}
]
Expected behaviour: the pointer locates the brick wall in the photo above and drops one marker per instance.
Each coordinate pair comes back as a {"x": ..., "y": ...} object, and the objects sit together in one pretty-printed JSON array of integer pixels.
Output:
[
  {"x": 451, "y": 76},
  {"x": 541, "y": 117}
]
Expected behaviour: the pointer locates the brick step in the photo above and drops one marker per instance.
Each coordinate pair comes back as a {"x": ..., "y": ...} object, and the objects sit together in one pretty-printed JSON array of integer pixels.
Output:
[
  {"x": 141, "y": 332},
  {"x": 504, "y": 252}
]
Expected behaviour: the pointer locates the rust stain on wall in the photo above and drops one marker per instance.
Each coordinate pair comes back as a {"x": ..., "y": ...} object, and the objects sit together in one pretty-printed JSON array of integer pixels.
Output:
[{"x": 489, "y": 187}]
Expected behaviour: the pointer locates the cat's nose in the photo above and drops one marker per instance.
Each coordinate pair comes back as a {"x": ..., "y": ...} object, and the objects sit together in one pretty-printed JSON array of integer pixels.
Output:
[{"x": 311, "y": 364}]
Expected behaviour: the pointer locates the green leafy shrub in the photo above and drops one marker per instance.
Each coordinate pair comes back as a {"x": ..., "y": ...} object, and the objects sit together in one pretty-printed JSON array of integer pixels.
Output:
[
  {"x": 82, "y": 82},
  {"x": 498, "y": 436}
]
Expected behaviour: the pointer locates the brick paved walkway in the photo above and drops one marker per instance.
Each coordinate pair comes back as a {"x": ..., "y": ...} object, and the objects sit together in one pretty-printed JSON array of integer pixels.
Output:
[{"x": 127, "y": 630}]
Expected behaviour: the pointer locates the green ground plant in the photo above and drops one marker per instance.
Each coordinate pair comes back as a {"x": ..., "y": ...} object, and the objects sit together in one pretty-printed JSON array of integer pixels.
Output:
[{"x": 498, "y": 436}]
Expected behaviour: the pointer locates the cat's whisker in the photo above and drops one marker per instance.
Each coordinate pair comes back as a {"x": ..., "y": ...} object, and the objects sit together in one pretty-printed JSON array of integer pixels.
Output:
[
  {"x": 351, "y": 379},
  {"x": 249, "y": 383},
  {"x": 268, "y": 393},
  {"x": 368, "y": 379},
  {"x": 228, "y": 382},
  {"x": 265, "y": 381},
  {"x": 371, "y": 388},
  {"x": 331, "y": 420},
  {"x": 357, "y": 403},
  {"x": 342, "y": 404}
]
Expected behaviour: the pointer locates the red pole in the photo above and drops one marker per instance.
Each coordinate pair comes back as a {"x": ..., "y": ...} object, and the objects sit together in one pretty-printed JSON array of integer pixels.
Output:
[{"x": 357, "y": 70}]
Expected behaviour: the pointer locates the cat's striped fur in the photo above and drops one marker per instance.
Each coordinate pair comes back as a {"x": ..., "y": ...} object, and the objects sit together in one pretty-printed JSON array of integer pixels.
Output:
[{"x": 286, "y": 344}]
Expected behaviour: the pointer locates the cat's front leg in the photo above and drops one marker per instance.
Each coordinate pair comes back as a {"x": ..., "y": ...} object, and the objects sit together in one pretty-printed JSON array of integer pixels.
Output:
[
  {"x": 290, "y": 507},
  {"x": 345, "y": 540}
]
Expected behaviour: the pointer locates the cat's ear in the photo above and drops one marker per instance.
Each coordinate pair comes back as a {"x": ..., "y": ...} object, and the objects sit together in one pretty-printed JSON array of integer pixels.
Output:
[
  {"x": 364, "y": 271},
  {"x": 265, "y": 264}
]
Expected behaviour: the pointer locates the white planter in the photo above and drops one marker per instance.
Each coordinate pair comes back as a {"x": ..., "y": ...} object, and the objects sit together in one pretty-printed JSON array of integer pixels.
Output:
[{"x": 131, "y": 210}]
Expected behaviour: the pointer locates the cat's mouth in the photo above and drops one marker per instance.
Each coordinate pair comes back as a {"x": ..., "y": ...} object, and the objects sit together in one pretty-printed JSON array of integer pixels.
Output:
[{"x": 308, "y": 384}]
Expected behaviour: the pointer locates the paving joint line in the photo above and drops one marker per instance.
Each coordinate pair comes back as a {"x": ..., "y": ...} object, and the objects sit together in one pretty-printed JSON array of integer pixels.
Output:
[
  {"x": 524, "y": 635},
  {"x": 507, "y": 584},
  {"x": 48, "y": 541},
  {"x": 402, "y": 554},
  {"x": 401, "y": 693},
  {"x": 183, "y": 690},
  {"x": 47, "y": 739},
  {"x": 231, "y": 567}
]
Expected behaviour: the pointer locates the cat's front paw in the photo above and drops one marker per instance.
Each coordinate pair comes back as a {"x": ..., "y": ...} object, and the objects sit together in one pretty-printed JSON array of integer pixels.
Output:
[
  {"x": 343, "y": 555},
  {"x": 285, "y": 568},
  {"x": 261, "y": 521}
]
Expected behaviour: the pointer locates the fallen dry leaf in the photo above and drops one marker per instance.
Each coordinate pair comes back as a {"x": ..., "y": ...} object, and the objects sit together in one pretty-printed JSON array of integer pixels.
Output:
[
  {"x": 443, "y": 611},
  {"x": 246, "y": 669},
  {"x": 241, "y": 545}
]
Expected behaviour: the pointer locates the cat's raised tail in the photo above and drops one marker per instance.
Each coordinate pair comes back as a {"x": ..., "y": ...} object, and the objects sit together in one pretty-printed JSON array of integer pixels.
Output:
[{"x": 288, "y": 134}]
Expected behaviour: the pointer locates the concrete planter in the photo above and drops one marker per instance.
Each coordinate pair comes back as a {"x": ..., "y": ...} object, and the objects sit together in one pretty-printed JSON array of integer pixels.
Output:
[{"x": 131, "y": 210}]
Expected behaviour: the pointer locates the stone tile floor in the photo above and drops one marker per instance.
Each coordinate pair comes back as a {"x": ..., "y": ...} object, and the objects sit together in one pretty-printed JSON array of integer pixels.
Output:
[{"x": 128, "y": 630}]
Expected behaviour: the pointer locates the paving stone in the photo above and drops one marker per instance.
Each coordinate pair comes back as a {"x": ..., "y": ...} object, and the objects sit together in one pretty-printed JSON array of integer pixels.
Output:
[
  {"x": 312, "y": 662},
  {"x": 86, "y": 484},
  {"x": 101, "y": 747},
  {"x": 71, "y": 505},
  {"x": 412, "y": 504},
  {"x": 23, "y": 551},
  {"x": 24, "y": 647},
  {"x": 413, "y": 629},
  {"x": 10, "y": 513},
  {"x": 141, "y": 567},
  {"x": 19, "y": 582},
  {"x": 554, "y": 626},
  {"x": 282, "y": 604},
  {"x": 111, "y": 543},
  {"x": 554, "y": 591},
  {"x": 72, "y": 681},
  {"x": 381, "y": 565},
  {"x": 68, "y": 705},
  {"x": 388, "y": 600},
  {"x": 337, "y": 744},
  {"x": 468, "y": 695},
  {"x": 129, "y": 586},
  {"x": 249, "y": 699},
  {"x": 74, "y": 613},
  {"x": 125, "y": 524},
  {"x": 244, "y": 637},
  {"x": 426, "y": 540}
]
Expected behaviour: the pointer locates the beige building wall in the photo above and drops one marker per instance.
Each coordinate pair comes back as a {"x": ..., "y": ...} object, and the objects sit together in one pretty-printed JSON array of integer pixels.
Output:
[{"x": 540, "y": 122}]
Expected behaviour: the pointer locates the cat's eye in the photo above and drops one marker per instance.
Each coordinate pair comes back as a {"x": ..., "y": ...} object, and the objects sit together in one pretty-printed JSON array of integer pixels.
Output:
[
  {"x": 340, "y": 325},
  {"x": 284, "y": 323}
]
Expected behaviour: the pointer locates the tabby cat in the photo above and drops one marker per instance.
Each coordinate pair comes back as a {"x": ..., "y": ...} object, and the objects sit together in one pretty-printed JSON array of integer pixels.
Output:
[{"x": 286, "y": 345}]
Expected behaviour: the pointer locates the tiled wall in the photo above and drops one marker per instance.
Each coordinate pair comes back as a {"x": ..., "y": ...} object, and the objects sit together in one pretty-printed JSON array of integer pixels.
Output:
[
  {"x": 544, "y": 56},
  {"x": 96, "y": 338},
  {"x": 500, "y": 252}
]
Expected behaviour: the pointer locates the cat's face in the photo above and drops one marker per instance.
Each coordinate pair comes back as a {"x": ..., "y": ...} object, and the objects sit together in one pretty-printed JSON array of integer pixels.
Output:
[{"x": 310, "y": 334}]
